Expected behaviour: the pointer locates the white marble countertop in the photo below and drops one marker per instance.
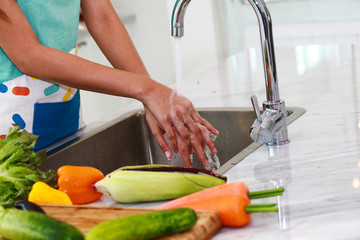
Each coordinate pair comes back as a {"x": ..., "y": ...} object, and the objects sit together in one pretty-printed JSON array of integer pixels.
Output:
[{"x": 320, "y": 167}]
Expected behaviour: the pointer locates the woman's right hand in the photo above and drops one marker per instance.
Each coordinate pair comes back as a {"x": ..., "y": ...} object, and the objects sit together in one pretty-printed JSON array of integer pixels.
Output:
[{"x": 167, "y": 112}]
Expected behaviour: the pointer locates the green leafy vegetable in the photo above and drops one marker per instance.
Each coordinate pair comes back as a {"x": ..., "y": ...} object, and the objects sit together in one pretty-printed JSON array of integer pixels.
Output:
[{"x": 19, "y": 166}]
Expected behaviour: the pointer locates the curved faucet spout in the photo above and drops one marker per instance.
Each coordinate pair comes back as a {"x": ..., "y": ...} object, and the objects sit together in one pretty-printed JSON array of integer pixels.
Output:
[
  {"x": 177, "y": 19},
  {"x": 265, "y": 26}
]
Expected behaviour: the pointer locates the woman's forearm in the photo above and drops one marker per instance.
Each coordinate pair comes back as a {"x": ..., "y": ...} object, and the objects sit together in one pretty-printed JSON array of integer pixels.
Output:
[
  {"x": 74, "y": 71},
  {"x": 111, "y": 36}
]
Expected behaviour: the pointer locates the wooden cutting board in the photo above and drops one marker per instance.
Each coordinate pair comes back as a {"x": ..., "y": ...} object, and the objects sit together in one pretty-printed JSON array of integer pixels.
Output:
[{"x": 86, "y": 217}]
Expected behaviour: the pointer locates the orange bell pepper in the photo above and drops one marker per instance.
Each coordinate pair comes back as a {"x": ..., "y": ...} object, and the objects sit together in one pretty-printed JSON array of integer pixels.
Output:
[
  {"x": 78, "y": 181},
  {"x": 230, "y": 200}
]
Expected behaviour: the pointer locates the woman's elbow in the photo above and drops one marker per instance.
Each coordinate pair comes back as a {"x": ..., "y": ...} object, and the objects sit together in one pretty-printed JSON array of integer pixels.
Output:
[{"x": 26, "y": 61}]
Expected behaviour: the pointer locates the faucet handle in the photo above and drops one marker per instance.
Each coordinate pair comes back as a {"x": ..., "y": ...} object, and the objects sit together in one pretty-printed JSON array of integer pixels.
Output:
[{"x": 255, "y": 105}]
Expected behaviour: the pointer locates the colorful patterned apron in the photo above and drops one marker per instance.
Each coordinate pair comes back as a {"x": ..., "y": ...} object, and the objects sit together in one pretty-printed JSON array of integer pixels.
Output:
[{"x": 45, "y": 108}]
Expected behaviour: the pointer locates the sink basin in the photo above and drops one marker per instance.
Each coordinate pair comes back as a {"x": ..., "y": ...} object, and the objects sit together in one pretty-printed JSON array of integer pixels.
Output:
[{"x": 128, "y": 141}]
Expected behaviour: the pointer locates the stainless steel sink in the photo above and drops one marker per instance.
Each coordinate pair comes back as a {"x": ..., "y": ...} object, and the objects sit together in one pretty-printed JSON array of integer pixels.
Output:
[{"x": 128, "y": 141}]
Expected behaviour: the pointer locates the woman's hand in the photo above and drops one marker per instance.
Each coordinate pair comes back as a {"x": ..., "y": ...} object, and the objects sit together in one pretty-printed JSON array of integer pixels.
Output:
[{"x": 167, "y": 112}]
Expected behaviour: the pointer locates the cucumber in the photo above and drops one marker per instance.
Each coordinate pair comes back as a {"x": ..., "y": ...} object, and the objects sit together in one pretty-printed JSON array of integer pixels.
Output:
[
  {"x": 26, "y": 225},
  {"x": 144, "y": 226}
]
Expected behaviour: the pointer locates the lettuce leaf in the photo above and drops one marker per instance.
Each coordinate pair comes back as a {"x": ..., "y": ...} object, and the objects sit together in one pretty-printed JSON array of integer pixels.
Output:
[{"x": 19, "y": 166}]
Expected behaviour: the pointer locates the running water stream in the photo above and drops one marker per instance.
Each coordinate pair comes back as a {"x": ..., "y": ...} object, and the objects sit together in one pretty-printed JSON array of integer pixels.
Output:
[
  {"x": 178, "y": 64},
  {"x": 213, "y": 159}
]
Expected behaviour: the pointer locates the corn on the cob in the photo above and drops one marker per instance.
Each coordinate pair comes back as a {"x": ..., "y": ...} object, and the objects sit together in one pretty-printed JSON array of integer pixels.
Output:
[{"x": 155, "y": 182}]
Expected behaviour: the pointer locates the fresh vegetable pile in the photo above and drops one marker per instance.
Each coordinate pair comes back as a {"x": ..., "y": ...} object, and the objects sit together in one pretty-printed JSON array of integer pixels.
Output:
[
  {"x": 192, "y": 189},
  {"x": 19, "y": 166}
]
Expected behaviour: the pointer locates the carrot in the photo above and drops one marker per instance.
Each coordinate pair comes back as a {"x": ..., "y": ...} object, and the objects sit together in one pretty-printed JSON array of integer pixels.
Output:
[{"x": 230, "y": 200}]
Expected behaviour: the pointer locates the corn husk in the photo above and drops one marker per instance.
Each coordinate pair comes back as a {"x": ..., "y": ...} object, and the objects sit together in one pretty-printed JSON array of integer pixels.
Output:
[{"x": 131, "y": 184}]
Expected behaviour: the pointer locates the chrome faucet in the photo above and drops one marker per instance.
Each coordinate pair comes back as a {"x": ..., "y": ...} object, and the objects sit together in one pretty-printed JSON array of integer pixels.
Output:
[{"x": 269, "y": 127}]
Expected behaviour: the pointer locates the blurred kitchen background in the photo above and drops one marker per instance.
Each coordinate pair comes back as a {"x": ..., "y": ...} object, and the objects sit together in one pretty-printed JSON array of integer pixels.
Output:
[{"x": 216, "y": 29}]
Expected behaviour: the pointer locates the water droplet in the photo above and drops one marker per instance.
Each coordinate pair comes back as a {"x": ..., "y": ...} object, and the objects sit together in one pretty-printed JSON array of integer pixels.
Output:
[{"x": 192, "y": 158}]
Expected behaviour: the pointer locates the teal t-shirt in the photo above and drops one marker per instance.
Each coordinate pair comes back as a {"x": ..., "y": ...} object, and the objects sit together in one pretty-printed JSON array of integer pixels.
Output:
[{"x": 55, "y": 23}]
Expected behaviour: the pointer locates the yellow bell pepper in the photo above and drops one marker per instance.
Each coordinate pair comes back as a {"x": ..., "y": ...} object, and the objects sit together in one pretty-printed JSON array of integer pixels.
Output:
[{"x": 42, "y": 193}]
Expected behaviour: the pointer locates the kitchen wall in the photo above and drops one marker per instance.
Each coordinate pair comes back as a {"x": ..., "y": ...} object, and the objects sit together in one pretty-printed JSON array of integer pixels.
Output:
[{"x": 295, "y": 22}]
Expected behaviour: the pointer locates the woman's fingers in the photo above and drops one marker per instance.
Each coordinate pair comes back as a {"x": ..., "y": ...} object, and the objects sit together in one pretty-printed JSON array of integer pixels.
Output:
[
  {"x": 210, "y": 127},
  {"x": 158, "y": 133},
  {"x": 195, "y": 132},
  {"x": 177, "y": 117},
  {"x": 199, "y": 150},
  {"x": 202, "y": 121},
  {"x": 200, "y": 128},
  {"x": 185, "y": 152},
  {"x": 163, "y": 144},
  {"x": 207, "y": 138},
  {"x": 189, "y": 123},
  {"x": 171, "y": 134}
]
